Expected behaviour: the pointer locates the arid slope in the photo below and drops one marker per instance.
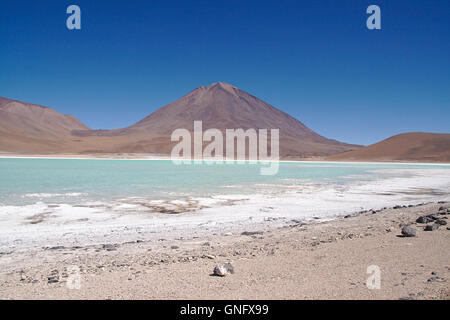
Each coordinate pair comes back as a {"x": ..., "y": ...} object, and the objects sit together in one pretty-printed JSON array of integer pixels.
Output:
[
  {"x": 27, "y": 128},
  {"x": 414, "y": 146}
]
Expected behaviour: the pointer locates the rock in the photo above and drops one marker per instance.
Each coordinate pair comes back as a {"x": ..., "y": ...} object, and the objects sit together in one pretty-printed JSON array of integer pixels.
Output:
[
  {"x": 220, "y": 271},
  {"x": 435, "y": 279},
  {"x": 223, "y": 270},
  {"x": 174, "y": 247},
  {"x": 424, "y": 219},
  {"x": 408, "y": 232},
  {"x": 57, "y": 248},
  {"x": 52, "y": 279},
  {"x": 432, "y": 227},
  {"x": 433, "y": 216},
  {"x": 109, "y": 247},
  {"x": 251, "y": 233},
  {"x": 442, "y": 209},
  {"x": 441, "y": 222}
]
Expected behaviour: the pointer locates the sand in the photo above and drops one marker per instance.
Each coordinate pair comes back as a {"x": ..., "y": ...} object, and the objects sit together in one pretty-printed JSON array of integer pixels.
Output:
[{"x": 324, "y": 260}]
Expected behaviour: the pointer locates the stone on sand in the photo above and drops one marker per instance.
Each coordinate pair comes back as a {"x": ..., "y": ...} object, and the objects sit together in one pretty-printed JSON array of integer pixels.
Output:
[{"x": 408, "y": 231}]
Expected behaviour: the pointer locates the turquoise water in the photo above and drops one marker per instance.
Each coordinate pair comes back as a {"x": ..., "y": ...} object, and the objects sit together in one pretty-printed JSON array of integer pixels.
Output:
[{"x": 26, "y": 181}]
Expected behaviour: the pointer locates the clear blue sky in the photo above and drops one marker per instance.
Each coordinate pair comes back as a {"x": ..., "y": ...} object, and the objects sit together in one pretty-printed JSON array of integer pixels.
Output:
[{"x": 315, "y": 60}]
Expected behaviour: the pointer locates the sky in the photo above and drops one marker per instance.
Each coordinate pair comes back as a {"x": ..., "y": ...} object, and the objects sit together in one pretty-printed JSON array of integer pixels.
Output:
[{"x": 315, "y": 60}]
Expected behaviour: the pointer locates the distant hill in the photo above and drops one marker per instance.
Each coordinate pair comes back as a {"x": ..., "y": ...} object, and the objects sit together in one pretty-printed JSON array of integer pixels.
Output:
[
  {"x": 24, "y": 127},
  {"x": 414, "y": 146}
]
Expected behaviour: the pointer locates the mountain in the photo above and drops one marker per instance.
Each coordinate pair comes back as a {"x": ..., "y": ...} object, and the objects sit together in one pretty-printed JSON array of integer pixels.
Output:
[
  {"x": 30, "y": 128},
  {"x": 414, "y": 146},
  {"x": 26, "y": 127},
  {"x": 220, "y": 106}
]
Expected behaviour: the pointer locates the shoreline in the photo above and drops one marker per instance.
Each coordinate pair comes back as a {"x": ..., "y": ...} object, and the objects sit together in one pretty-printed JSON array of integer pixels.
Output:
[
  {"x": 82, "y": 222},
  {"x": 324, "y": 260},
  {"x": 167, "y": 158}
]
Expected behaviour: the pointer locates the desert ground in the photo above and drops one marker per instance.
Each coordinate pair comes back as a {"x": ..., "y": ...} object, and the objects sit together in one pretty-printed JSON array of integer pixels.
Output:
[{"x": 324, "y": 260}]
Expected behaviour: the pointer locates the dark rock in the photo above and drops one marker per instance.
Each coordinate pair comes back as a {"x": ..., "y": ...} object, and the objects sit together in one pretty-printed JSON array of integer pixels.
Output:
[
  {"x": 432, "y": 227},
  {"x": 424, "y": 219},
  {"x": 433, "y": 216},
  {"x": 441, "y": 222},
  {"x": 435, "y": 279},
  {"x": 174, "y": 247},
  {"x": 109, "y": 247},
  {"x": 53, "y": 279},
  {"x": 251, "y": 233},
  {"x": 57, "y": 248},
  {"x": 408, "y": 232}
]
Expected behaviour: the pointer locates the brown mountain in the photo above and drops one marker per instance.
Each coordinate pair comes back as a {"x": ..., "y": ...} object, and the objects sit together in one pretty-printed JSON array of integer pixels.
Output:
[
  {"x": 26, "y": 127},
  {"x": 414, "y": 146},
  {"x": 218, "y": 105}
]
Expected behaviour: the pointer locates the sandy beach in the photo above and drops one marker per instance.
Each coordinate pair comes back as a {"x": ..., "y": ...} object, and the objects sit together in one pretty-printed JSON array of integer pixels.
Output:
[{"x": 323, "y": 260}]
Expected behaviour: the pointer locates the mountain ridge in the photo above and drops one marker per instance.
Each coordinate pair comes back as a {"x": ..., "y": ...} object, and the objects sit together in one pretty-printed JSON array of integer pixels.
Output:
[
  {"x": 218, "y": 105},
  {"x": 410, "y": 146},
  {"x": 223, "y": 106}
]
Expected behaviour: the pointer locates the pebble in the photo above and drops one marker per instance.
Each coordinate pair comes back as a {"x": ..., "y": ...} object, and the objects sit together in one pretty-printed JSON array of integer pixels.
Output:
[
  {"x": 251, "y": 233},
  {"x": 52, "y": 279},
  {"x": 408, "y": 232},
  {"x": 432, "y": 227},
  {"x": 223, "y": 270},
  {"x": 109, "y": 247},
  {"x": 435, "y": 279},
  {"x": 424, "y": 219}
]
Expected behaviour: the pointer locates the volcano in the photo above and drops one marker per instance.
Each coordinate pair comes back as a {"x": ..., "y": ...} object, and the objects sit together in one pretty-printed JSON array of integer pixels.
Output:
[{"x": 219, "y": 105}]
